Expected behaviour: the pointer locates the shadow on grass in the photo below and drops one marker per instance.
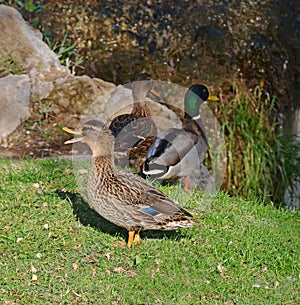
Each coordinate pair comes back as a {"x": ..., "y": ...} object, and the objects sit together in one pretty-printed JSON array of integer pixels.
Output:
[{"x": 88, "y": 217}]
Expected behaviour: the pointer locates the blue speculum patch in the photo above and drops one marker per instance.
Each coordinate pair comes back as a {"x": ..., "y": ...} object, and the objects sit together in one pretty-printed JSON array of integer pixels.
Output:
[{"x": 150, "y": 211}]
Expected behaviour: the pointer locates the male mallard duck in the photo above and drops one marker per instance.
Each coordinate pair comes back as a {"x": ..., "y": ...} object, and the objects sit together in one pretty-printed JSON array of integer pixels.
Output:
[
  {"x": 177, "y": 152},
  {"x": 129, "y": 129},
  {"x": 121, "y": 197}
]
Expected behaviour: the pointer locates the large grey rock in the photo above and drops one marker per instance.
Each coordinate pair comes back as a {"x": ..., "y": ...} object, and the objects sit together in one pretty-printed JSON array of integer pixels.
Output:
[
  {"x": 75, "y": 94},
  {"x": 14, "y": 102},
  {"x": 25, "y": 45},
  {"x": 27, "y": 48},
  {"x": 50, "y": 81}
]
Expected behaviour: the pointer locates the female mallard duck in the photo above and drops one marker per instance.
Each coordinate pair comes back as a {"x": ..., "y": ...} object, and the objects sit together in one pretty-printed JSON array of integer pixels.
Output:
[
  {"x": 121, "y": 197},
  {"x": 178, "y": 152},
  {"x": 129, "y": 129}
]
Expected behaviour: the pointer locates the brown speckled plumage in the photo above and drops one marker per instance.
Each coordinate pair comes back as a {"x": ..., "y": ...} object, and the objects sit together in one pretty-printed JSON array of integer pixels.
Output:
[
  {"x": 137, "y": 155},
  {"x": 132, "y": 128},
  {"x": 122, "y": 197}
]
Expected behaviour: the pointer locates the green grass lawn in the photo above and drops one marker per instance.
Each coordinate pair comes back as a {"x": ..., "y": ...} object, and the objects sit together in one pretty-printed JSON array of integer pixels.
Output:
[{"x": 55, "y": 250}]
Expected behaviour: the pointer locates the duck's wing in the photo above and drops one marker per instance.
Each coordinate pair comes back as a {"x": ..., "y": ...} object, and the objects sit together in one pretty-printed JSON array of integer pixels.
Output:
[
  {"x": 169, "y": 148},
  {"x": 162, "y": 215},
  {"x": 134, "y": 204},
  {"x": 119, "y": 122},
  {"x": 129, "y": 130},
  {"x": 147, "y": 198}
]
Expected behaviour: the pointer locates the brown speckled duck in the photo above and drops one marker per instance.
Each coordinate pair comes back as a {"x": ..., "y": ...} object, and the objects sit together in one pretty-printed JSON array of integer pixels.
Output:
[
  {"x": 132, "y": 128},
  {"x": 121, "y": 197}
]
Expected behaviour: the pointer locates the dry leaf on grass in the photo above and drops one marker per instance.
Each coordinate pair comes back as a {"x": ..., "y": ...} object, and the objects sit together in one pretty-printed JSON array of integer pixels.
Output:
[
  {"x": 221, "y": 268},
  {"x": 119, "y": 269},
  {"x": 33, "y": 269}
]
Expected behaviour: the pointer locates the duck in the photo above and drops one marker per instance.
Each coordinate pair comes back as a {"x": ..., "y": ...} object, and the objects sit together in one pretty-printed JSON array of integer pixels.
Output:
[
  {"x": 132, "y": 128},
  {"x": 121, "y": 196},
  {"x": 176, "y": 152}
]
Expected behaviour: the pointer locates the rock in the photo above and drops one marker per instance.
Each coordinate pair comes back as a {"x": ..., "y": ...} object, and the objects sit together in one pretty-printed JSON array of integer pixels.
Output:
[
  {"x": 50, "y": 81},
  {"x": 75, "y": 94},
  {"x": 14, "y": 102},
  {"x": 292, "y": 193},
  {"x": 27, "y": 48},
  {"x": 292, "y": 196}
]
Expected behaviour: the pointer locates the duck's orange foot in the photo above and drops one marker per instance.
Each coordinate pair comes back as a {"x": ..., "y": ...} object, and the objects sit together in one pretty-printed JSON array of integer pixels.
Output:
[
  {"x": 130, "y": 238},
  {"x": 186, "y": 184},
  {"x": 137, "y": 238},
  {"x": 133, "y": 237}
]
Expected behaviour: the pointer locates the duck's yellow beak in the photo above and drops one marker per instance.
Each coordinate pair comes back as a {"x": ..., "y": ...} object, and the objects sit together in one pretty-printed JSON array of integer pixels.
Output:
[
  {"x": 154, "y": 92},
  {"x": 69, "y": 130},
  {"x": 74, "y": 140},
  {"x": 213, "y": 98}
]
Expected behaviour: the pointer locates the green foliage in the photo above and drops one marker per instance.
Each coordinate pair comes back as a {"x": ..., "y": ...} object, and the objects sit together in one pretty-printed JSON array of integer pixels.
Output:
[
  {"x": 261, "y": 161},
  {"x": 55, "y": 250},
  {"x": 9, "y": 66},
  {"x": 66, "y": 50},
  {"x": 29, "y": 6}
]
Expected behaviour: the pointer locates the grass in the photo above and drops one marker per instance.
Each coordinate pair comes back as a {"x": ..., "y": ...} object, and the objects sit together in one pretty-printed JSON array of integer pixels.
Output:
[
  {"x": 262, "y": 160},
  {"x": 55, "y": 250},
  {"x": 66, "y": 52},
  {"x": 9, "y": 66}
]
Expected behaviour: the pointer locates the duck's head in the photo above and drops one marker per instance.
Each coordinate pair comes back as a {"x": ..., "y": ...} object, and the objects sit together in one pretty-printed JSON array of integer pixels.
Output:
[
  {"x": 96, "y": 135},
  {"x": 142, "y": 85},
  {"x": 196, "y": 95}
]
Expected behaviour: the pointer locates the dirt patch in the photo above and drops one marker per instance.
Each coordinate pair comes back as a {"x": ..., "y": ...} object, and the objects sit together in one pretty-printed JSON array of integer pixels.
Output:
[{"x": 39, "y": 137}]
